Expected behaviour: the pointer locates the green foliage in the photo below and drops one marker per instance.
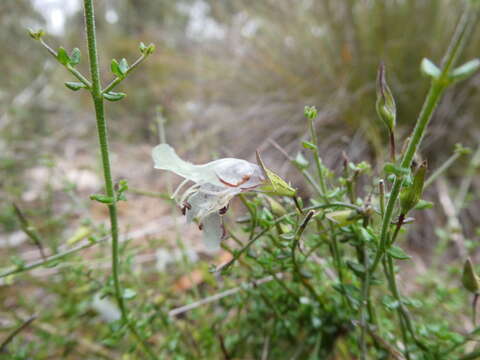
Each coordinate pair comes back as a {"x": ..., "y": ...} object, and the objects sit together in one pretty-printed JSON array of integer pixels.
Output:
[{"x": 311, "y": 278}]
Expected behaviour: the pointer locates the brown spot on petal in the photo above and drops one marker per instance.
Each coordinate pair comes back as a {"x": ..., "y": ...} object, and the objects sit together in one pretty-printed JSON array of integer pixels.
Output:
[
  {"x": 245, "y": 178},
  {"x": 184, "y": 207},
  {"x": 223, "y": 210}
]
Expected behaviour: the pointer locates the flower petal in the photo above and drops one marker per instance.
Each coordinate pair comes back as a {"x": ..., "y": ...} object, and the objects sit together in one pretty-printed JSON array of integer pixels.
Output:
[
  {"x": 206, "y": 200},
  {"x": 213, "y": 232},
  {"x": 238, "y": 173},
  {"x": 225, "y": 173}
]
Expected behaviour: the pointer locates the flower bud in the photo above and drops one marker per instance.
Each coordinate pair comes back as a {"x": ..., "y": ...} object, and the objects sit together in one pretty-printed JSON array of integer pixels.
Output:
[
  {"x": 386, "y": 108},
  {"x": 470, "y": 280},
  {"x": 410, "y": 196}
]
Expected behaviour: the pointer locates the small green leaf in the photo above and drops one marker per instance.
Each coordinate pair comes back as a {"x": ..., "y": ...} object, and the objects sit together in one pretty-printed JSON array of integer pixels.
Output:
[
  {"x": 142, "y": 47},
  {"x": 300, "y": 161},
  {"x": 62, "y": 56},
  {"x": 115, "y": 67},
  {"x": 37, "y": 35},
  {"x": 74, "y": 85},
  {"x": 390, "y": 168},
  {"x": 398, "y": 253},
  {"x": 462, "y": 150},
  {"x": 104, "y": 199},
  {"x": 390, "y": 303},
  {"x": 356, "y": 267},
  {"x": 308, "y": 145},
  {"x": 123, "y": 66},
  {"x": 465, "y": 71},
  {"x": 75, "y": 57},
  {"x": 423, "y": 204},
  {"x": 343, "y": 217},
  {"x": 150, "y": 49},
  {"x": 114, "y": 96},
  {"x": 129, "y": 294},
  {"x": 430, "y": 69}
]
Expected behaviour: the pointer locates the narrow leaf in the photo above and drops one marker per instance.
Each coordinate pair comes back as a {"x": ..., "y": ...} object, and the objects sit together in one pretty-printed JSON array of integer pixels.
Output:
[
  {"x": 430, "y": 69},
  {"x": 398, "y": 253},
  {"x": 74, "y": 85},
  {"x": 114, "y": 96},
  {"x": 465, "y": 71}
]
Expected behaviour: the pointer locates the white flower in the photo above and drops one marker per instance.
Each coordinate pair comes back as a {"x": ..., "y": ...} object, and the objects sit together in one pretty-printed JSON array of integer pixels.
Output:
[{"x": 214, "y": 185}]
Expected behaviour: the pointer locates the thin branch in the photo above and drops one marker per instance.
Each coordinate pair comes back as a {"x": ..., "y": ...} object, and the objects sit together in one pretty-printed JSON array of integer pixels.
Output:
[
  {"x": 118, "y": 80},
  {"x": 70, "y": 68},
  {"x": 35, "y": 264},
  {"x": 221, "y": 295},
  {"x": 9, "y": 338}
]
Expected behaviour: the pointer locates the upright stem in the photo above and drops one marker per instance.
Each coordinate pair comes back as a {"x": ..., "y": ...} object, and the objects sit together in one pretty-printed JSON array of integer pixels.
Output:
[
  {"x": 437, "y": 88},
  {"x": 96, "y": 91}
]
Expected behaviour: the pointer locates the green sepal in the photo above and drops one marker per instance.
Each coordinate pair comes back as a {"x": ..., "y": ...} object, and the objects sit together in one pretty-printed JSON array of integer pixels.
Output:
[
  {"x": 276, "y": 185},
  {"x": 114, "y": 96}
]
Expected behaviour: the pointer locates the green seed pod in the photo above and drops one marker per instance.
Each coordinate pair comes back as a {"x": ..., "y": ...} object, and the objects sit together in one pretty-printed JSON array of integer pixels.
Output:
[
  {"x": 470, "y": 280},
  {"x": 410, "y": 196},
  {"x": 386, "y": 108}
]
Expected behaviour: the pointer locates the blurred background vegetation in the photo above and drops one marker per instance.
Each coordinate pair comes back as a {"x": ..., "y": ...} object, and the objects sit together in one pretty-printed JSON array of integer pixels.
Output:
[{"x": 227, "y": 77}]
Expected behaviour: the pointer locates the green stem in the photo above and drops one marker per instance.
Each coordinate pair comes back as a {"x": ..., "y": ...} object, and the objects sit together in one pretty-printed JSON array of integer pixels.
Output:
[
  {"x": 96, "y": 91},
  {"x": 390, "y": 273},
  {"x": 435, "y": 93},
  {"x": 70, "y": 68},
  {"x": 278, "y": 220},
  {"x": 316, "y": 155},
  {"x": 48, "y": 260},
  {"x": 118, "y": 80}
]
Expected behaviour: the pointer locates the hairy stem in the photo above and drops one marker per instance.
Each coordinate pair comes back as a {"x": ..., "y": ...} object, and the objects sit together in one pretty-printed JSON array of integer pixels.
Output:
[{"x": 96, "y": 91}]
